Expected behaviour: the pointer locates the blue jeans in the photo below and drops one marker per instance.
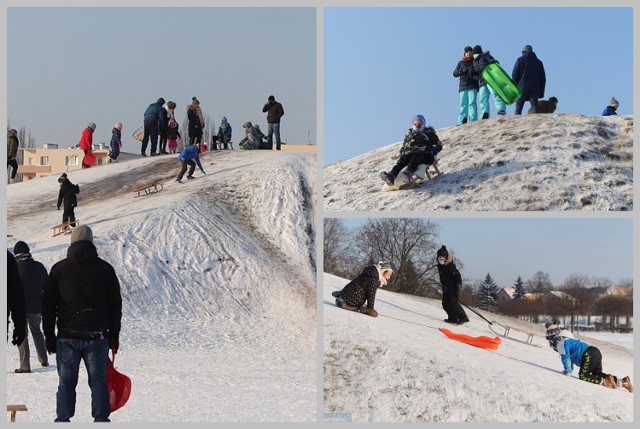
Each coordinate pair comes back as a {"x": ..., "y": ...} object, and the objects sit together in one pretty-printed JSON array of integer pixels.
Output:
[
  {"x": 524, "y": 98},
  {"x": 94, "y": 353},
  {"x": 271, "y": 129}
]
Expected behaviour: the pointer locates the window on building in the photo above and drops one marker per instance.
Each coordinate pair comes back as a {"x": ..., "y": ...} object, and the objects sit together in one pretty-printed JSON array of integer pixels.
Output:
[
  {"x": 29, "y": 161},
  {"x": 44, "y": 160},
  {"x": 71, "y": 160}
]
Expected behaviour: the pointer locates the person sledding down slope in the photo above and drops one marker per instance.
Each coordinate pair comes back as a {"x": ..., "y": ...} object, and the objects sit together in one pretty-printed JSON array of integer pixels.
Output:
[
  {"x": 421, "y": 145},
  {"x": 589, "y": 358},
  {"x": 363, "y": 289}
]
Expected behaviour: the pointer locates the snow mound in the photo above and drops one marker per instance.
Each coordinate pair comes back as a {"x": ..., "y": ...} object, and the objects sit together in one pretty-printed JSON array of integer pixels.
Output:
[{"x": 543, "y": 162}]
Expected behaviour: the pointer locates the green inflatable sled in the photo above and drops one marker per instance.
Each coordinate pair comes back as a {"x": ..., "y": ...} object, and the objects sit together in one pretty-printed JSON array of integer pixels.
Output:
[{"x": 501, "y": 83}]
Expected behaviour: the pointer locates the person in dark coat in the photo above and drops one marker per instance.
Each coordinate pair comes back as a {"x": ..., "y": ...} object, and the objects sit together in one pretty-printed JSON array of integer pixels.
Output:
[
  {"x": 16, "y": 308},
  {"x": 67, "y": 194},
  {"x": 33, "y": 274},
  {"x": 151, "y": 127},
  {"x": 611, "y": 108},
  {"x": 451, "y": 282},
  {"x": 363, "y": 289},
  {"x": 545, "y": 106},
  {"x": 480, "y": 61},
  {"x": 196, "y": 122},
  {"x": 274, "y": 111},
  {"x": 13, "y": 144},
  {"x": 467, "y": 87},
  {"x": 116, "y": 142},
  {"x": 421, "y": 145},
  {"x": 224, "y": 133},
  {"x": 82, "y": 299},
  {"x": 528, "y": 72},
  {"x": 173, "y": 134}
]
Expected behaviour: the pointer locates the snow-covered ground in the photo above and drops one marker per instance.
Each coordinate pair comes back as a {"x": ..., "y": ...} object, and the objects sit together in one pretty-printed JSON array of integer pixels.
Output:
[
  {"x": 544, "y": 162},
  {"x": 218, "y": 282},
  {"x": 399, "y": 367}
]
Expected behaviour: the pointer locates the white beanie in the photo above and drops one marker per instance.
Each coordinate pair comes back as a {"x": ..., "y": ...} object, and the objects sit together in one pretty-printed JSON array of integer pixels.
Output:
[
  {"x": 613, "y": 102},
  {"x": 82, "y": 233}
]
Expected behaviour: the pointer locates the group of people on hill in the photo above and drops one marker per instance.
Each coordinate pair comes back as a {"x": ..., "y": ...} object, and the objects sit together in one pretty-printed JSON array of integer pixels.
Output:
[
  {"x": 528, "y": 72},
  {"x": 360, "y": 295},
  {"x": 80, "y": 320}
]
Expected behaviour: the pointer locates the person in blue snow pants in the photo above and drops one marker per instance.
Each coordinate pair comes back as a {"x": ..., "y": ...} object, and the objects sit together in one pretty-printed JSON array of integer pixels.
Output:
[{"x": 467, "y": 88}]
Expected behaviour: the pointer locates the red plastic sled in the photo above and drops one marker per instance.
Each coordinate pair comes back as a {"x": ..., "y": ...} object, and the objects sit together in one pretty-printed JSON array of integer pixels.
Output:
[
  {"x": 119, "y": 386},
  {"x": 481, "y": 341},
  {"x": 89, "y": 158}
]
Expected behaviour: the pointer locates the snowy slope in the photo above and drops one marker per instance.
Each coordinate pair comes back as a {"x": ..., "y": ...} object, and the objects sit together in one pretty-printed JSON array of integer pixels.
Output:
[
  {"x": 543, "y": 162},
  {"x": 218, "y": 282},
  {"x": 399, "y": 367}
]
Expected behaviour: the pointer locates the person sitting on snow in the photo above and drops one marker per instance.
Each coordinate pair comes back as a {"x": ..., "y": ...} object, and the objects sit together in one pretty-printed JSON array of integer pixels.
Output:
[
  {"x": 420, "y": 146},
  {"x": 363, "y": 289},
  {"x": 575, "y": 352},
  {"x": 251, "y": 139}
]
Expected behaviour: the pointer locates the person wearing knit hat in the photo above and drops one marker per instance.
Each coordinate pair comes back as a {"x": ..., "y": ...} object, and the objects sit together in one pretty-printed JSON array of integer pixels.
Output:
[
  {"x": 451, "y": 282},
  {"x": 224, "y": 133},
  {"x": 86, "y": 143},
  {"x": 195, "y": 122},
  {"x": 33, "y": 275},
  {"x": 421, "y": 145},
  {"x": 467, "y": 87},
  {"x": 81, "y": 319},
  {"x": 13, "y": 145},
  {"x": 116, "y": 142},
  {"x": 67, "y": 196},
  {"x": 528, "y": 72},
  {"x": 360, "y": 293},
  {"x": 611, "y": 108},
  {"x": 274, "y": 111},
  {"x": 480, "y": 61}
]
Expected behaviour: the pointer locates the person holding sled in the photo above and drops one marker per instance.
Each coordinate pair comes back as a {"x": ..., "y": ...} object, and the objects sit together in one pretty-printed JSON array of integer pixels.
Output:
[
  {"x": 421, "y": 145},
  {"x": 363, "y": 289},
  {"x": 589, "y": 358},
  {"x": 67, "y": 195},
  {"x": 189, "y": 157},
  {"x": 480, "y": 61},
  {"x": 451, "y": 281},
  {"x": 86, "y": 141}
]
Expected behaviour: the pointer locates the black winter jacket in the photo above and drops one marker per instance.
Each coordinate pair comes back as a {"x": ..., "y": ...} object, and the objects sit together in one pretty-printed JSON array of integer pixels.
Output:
[
  {"x": 274, "y": 111},
  {"x": 528, "y": 72},
  {"x": 480, "y": 63},
  {"x": 426, "y": 141},
  {"x": 450, "y": 278},
  {"x": 464, "y": 71},
  {"x": 68, "y": 193},
  {"x": 33, "y": 275},
  {"x": 363, "y": 288},
  {"x": 81, "y": 294},
  {"x": 15, "y": 296},
  {"x": 153, "y": 111}
]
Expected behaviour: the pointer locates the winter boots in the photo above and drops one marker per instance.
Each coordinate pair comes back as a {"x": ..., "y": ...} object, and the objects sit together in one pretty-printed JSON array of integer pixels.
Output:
[
  {"x": 340, "y": 303},
  {"x": 608, "y": 380},
  {"x": 626, "y": 383},
  {"x": 368, "y": 311},
  {"x": 388, "y": 178},
  {"x": 485, "y": 115},
  {"x": 336, "y": 293}
]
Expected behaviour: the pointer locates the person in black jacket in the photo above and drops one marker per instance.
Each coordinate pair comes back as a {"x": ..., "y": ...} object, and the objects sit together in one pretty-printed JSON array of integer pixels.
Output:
[
  {"x": 421, "y": 145},
  {"x": 274, "y": 111},
  {"x": 16, "y": 308},
  {"x": 451, "y": 282},
  {"x": 82, "y": 298},
  {"x": 363, "y": 289},
  {"x": 528, "y": 72},
  {"x": 467, "y": 87},
  {"x": 67, "y": 194},
  {"x": 33, "y": 274},
  {"x": 480, "y": 61},
  {"x": 151, "y": 127}
]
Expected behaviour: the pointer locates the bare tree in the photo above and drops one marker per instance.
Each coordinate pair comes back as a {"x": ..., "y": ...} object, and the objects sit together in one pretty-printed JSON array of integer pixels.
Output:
[
  {"x": 408, "y": 244},
  {"x": 539, "y": 283},
  {"x": 336, "y": 243}
]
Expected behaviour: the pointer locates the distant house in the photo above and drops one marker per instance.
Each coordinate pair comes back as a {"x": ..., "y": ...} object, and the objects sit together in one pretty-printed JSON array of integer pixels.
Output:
[
  {"x": 557, "y": 295},
  {"x": 506, "y": 293},
  {"x": 620, "y": 291},
  {"x": 533, "y": 296}
]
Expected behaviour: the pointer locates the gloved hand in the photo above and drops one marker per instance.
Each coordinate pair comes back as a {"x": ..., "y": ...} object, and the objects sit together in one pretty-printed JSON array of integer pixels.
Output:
[
  {"x": 114, "y": 344},
  {"x": 50, "y": 344},
  {"x": 203, "y": 172},
  {"x": 18, "y": 337}
]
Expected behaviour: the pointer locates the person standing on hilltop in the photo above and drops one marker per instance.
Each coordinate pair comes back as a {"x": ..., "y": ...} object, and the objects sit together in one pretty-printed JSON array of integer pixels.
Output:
[
  {"x": 86, "y": 142},
  {"x": 467, "y": 87},
  {"x": 480, "y": 61},
  {"x": 274, "y": 111},
  {"x": 196, "y": 122},
  {"x": 116, "y": 142},
  {"x": 611, "y": 108},
  {"x": 13, "y": 145},
  {"x": 151, "y": 127},
  {"x": 528, "y": 72}
]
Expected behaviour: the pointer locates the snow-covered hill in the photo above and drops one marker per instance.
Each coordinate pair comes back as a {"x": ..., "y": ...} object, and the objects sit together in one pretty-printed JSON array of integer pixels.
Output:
[
  {"x": 218, "y": 282},
  {"x": 543, "y": 162},
  {"x": 399, "y": 367}
]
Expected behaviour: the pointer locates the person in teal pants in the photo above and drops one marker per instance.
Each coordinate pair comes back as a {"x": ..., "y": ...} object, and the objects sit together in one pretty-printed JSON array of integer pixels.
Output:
[{"x": 467, "y": 88}]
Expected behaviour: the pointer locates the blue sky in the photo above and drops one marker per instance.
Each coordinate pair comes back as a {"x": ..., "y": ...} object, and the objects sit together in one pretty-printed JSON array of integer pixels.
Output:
[
  {"x": 382, "y": 66},
  {"x": 510, "y": 247},
  {"x": 71, "y": 66}
]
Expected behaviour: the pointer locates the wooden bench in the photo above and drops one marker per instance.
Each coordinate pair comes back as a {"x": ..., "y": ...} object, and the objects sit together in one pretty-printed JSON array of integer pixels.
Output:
[
  {"x": 64, "y": 227},
  {"x": 149, "y": 189},
  {"x": 13, "y": 409}
]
